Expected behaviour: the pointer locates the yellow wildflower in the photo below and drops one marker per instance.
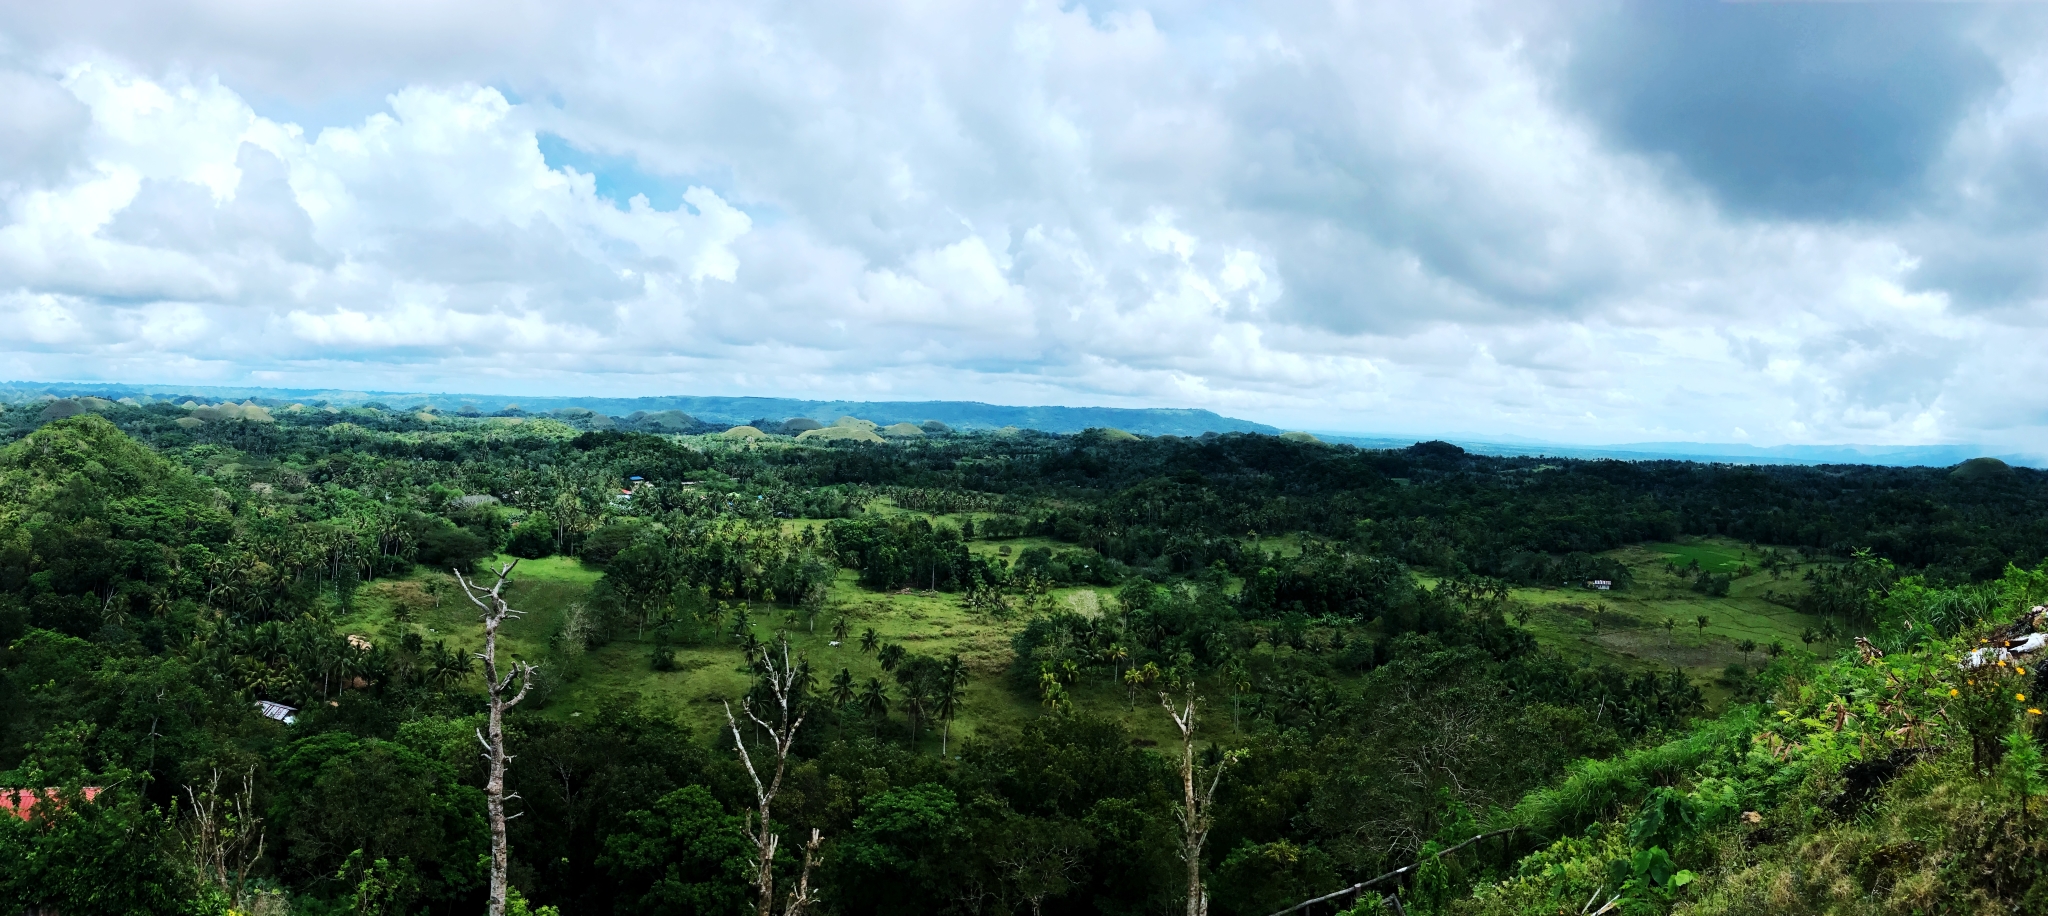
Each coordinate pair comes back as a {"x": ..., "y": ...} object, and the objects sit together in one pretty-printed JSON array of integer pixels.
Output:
[
  {"x": 2033, "y": 712},
  {"x": 2020, "y": 697},
  {"x": 1953, "y": 692}
]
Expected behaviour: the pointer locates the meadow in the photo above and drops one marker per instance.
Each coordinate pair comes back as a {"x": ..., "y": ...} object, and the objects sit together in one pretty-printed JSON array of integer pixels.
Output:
[{"x": 1624, "y": 628}]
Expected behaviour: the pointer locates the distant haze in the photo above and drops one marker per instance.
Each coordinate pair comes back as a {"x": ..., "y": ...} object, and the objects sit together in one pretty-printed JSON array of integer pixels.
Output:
[{"x": 974, "y": 415}]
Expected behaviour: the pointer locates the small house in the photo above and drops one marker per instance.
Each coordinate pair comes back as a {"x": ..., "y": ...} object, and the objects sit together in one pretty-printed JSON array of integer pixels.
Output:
[
  {"x": 278, "y": 711},
  {"x": 19, "y": 802},
  {"x": 1599, "y": 585}
]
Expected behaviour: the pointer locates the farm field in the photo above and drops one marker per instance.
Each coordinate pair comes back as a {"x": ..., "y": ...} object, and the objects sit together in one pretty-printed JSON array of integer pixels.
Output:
[
  {"x": 1623, "y": 627},
  {"x": 621, "y": 673},
  {"x": 1627, "y": 626}
]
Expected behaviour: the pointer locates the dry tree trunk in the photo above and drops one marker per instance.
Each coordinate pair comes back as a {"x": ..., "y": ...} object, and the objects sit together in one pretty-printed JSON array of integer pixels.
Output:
[
  {"x": 780, "y": 677},
  {"x": 1194, "y": 812},
  {"x": 496, "y": 612},
  {"x": 224, "y": 840}
]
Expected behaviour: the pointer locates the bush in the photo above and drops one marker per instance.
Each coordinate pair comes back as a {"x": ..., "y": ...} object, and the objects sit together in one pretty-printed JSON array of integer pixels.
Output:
[
  {"x": 605, "y": 543},
  {"x": 445, "y": 546},
  {"x": 532, "y": 538}
]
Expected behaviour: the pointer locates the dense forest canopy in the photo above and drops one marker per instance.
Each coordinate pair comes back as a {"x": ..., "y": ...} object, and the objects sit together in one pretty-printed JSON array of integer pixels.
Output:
[{"x": 1354, "y": 624}]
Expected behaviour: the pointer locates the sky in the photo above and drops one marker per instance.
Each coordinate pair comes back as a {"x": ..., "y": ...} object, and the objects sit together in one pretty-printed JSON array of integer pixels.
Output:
[{"x": 1579, "y": 222}]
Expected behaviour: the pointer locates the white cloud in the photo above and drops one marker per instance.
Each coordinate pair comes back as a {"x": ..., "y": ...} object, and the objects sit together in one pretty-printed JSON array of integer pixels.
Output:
[{"x": 1375, "y": 217}]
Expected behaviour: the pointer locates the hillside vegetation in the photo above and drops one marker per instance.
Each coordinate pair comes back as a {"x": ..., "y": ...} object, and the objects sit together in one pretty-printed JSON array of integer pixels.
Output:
[{"x": 1391, "y": 652}]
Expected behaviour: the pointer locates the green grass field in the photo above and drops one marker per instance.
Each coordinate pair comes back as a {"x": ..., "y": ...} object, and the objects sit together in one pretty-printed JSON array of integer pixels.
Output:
[
  {"x": 621, "y": 673},
  {"x": 1626, "y": 626},
  {"x": 1622, "y": 627}
]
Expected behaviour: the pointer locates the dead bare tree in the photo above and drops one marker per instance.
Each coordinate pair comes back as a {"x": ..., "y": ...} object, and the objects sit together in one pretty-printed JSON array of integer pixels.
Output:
[
  {"x": 782, "y": 685},
  {"x": 1194, "y": 812},
  {"x": 224, "y": 836},
  {"x": 496, "y": 612},
  {"x": 1041, "y": 858}
]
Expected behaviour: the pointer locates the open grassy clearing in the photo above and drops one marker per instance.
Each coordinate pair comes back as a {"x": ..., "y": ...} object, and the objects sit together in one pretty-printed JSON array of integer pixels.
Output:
[
  {"x": 1627, "y": 626},
  {"x": 621, "y": 673},
  {"x": 1624, "y": 627}
]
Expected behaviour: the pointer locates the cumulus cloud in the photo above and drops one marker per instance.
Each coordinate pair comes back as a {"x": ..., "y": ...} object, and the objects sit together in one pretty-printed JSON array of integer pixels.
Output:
[{"x": 1585, "y": 222}]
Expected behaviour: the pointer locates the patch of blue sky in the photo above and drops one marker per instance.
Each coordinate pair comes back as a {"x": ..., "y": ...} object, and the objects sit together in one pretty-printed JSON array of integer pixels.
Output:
[{"x": 619, "y": 179}]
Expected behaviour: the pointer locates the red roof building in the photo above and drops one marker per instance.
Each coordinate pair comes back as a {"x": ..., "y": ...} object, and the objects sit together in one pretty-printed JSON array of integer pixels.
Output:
[{"x": 18, "y": 802}]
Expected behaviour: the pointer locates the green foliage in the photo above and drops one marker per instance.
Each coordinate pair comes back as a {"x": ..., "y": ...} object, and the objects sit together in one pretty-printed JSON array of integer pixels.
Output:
[
  {"x": 105, "y": 857},
  {"x": 683, "y": 856},
  {"x": 894, "y": 858},
  {"x": 532, "y": 538},
  {"x": 1344, "y": 613},
  {"x": 1264, "y": 877},
  {"x": 344, "y": 804}
]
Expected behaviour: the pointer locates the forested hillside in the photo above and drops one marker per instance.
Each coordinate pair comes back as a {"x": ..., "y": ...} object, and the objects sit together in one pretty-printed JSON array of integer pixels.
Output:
[{"x": 997, "y": 672}]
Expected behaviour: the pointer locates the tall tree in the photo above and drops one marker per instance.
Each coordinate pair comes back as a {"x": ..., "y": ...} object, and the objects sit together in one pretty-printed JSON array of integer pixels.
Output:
[
  {"x": 948, "y": 697},
  {"x": 496, "y": 612},
  {"x": 842, "y": 688},
  {"x": 1195, "y": 811},
  {"x": 780, "y": 686}
]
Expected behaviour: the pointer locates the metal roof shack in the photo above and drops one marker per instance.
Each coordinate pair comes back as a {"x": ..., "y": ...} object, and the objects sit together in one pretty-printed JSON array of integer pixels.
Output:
[
  {"x": 279, "y": 711},
  {"x": 19, "y": 802}
]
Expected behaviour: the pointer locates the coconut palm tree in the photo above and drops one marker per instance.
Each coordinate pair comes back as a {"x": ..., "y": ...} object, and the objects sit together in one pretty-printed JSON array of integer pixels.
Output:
[
  {"x": 806, "y": 678},
  {"x": 917, "y": 698},
  {"x": 1115, "y": 655},
  {"x": 946, "y": 702},
  {"x": 891, "y": 656},
  {"x": 839, "y": 629},
  {"x": 870, "y": 640},
  {"x": 842, "y": 688},
  {"x": 874, "y": 699}
]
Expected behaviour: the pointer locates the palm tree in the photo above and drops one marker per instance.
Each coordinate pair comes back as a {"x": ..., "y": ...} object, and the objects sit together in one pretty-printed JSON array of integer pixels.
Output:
[
  {"x": 1115, "y": 655},
  {"x": 1746, "y": 647},
  {"x": 839, "y": 630},
  {"x": 806, "y": 678},
  {"x": 916, "y": 699},
  {"x": 842, "y": 688},
  {"x": 891, "y": 656},
  {"x": 946, "y": 703},
  {"x": 874, "y": 699},
  {"x": 446, "y": 667},
  {"x": 869, "y": 640},
  {"x": 1702, "y": 621},
  {"x": 953, "y": 672}
]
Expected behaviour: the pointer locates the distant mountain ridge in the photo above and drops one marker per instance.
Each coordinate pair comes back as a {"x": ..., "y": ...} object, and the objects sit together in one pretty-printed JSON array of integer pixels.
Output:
[
  {"x": 1149, "y": 421},
  {"x": 969, "y": 415},
  {"x": 1720, "y": 453}
]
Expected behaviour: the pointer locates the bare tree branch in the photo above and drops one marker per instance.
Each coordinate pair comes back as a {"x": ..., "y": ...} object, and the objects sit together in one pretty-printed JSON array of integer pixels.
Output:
[
  {"x": 781, "y": 678},
  {"x": 496, "y": 612}
]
